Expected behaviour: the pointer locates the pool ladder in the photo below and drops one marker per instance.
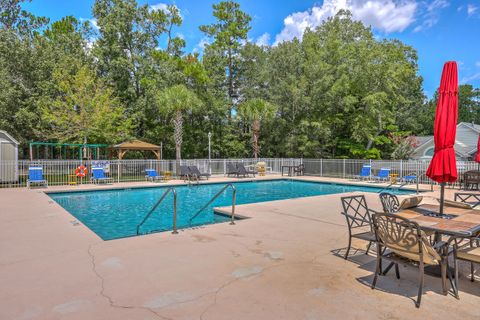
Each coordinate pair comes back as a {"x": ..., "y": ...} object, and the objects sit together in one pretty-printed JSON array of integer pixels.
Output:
[
  {"x": 234, "y": 199},
  {"x": 172, "y": 190}
]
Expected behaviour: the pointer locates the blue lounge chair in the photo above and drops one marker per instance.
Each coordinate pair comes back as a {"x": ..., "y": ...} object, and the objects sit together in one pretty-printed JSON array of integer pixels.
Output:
[
  {"x": 410, "y": 178},
  {"x": 383, "y": 175},
  {"x": 152, "y": 175},
  {"x": 35, "y": 176},
  {"x": 364, "y": 173},
  {"x": 98, "y": 175}
]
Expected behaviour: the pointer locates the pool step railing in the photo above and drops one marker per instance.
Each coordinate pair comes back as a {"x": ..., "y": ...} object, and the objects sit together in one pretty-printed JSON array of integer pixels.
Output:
[
  {"x": 172, "y": 190},
  {"x": 234, "y": 199}
]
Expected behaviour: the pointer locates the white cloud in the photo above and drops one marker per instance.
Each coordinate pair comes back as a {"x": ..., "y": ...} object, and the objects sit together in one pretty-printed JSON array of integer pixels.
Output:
[
  {"x": 92, "y": 21},
  {"x": 477, "y": 64},
  {"x": 263, "y": 40},
  {"x": 205, "y": 41},
  {"x": 471, "y": 9},
  {"x": 383, "y": 15},
  {"x": 431, "y": 14},
  {"x": 159, "y": 6},
  {"x": 471, "y": 78}
]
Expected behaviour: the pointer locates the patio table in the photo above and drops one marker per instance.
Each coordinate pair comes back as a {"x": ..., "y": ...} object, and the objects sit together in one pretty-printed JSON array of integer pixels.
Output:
[{"x": 456, "y": 222}]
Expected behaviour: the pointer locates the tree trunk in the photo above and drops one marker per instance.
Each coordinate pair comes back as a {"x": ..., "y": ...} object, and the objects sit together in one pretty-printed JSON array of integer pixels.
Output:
[
  {"x": 178, "y": 134},
  {"x": 255, "y": 136}
]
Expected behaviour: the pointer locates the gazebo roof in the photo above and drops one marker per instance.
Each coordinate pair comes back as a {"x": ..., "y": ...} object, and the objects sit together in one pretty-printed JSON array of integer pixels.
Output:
[{"x": 136, "y": 145}]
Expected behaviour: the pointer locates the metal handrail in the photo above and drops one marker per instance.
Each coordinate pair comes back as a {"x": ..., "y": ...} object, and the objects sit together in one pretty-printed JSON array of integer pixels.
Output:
[
  {"x": 234, "y": 199},
  {"x": 171, "y": 189}
]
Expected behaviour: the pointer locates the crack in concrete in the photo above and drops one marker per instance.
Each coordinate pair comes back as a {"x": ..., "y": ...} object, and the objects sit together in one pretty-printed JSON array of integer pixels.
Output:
[
  {"x": 228, "y": 283},
  {"x": 110, "y": 300}
]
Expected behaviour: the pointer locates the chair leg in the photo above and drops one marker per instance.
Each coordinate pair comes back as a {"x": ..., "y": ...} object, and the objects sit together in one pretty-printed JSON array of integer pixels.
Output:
[
  {"x": 368, "y": 247},
  {"x": 420, "y": 285},
  {"x": 397, "y": 271},
  {"x": 388, "y": 268},
  {"x": 349, "y": 245},
  {"x": 443, "y": 268},
  {"x": 377, "y": 271},
  {"x": 472, "y": 272}
]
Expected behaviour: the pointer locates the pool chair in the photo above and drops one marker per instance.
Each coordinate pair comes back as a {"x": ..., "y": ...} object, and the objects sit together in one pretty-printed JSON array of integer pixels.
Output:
[
  {"x": 186, "y": 174},
  {"x": 364, "y": 173},
  {"x": 242, "y": 171},
  {"x": 152, "y": 175},
  {"x": 383, "y": 175},
  {"x": 194, "y": 171},
  {"x": 35, "y": 176},
  {"x": 231, "y": 169},
  {"x": 410, "y": 178},
  {"x": 98, "y": 175}
]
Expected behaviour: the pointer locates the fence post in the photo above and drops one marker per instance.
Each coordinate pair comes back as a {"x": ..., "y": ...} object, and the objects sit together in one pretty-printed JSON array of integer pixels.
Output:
[
  {"x": 343, "y": 168},
  {"x": 401, "y": 168},
  {"x": 321, "y": 167}
]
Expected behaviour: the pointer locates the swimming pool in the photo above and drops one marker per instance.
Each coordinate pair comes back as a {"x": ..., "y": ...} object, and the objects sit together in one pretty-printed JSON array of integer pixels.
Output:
[{"x": 113, "y": 214}]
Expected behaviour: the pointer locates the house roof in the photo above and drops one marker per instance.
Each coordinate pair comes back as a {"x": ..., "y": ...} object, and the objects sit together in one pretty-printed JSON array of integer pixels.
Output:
[
  {"x": 423, "y": 139},
  {"x": 136, "y": 145},
  {"x": 464, "y": 147}
]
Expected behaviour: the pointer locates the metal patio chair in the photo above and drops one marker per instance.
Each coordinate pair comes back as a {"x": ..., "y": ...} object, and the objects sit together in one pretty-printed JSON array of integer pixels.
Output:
[
  {"x": 407, "y": 243},
  {"x": 469, "y": 252},
  {"x": 359, "y": 217},
  {"x": 472, "y": 199},
  {"x": 389, "y": 202}
]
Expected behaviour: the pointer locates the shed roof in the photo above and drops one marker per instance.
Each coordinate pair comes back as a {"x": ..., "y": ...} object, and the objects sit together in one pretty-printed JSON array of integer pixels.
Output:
[{"x": 7, "y": 137}]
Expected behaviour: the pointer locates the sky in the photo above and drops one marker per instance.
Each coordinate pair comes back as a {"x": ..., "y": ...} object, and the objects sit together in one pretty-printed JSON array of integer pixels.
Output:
[{"x": 440, "y": 30}]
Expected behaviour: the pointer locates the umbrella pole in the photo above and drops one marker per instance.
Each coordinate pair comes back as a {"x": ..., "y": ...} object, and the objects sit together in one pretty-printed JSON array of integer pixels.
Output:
[{"x": 442, "y": 197}]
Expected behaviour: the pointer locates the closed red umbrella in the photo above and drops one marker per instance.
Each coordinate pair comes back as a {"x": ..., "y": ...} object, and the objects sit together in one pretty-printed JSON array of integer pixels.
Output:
[
  {"x": 477, "y": 156},
  {"x": 443, "y": 167}
]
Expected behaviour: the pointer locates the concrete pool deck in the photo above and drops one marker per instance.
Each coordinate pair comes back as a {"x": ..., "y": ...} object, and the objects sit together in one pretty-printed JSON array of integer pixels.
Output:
[{"x": 282, "y": 263}]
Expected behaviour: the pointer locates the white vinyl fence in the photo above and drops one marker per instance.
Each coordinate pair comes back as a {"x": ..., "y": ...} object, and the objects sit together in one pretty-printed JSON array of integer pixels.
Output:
[{"x": 61, "y": 172}]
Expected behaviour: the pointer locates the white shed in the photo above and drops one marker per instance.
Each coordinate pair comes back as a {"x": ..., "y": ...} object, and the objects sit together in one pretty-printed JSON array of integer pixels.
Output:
[{"x": 8, "y": 158}]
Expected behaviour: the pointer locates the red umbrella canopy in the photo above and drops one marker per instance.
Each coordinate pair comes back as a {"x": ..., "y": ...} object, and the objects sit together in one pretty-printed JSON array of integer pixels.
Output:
[
  {"x": 477, "y": 156},
  {"x": 443, "y": 167}
]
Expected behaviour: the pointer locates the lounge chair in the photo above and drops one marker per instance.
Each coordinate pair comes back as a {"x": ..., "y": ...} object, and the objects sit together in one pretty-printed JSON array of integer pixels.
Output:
[
  {"x": 364, "y": 173},
  {"x": 98, "y": 175},
  {"x": 383, "y": 175},
  {"x": 152, "y": 175},
  {"x": 406, "y": 243},
  {"x": 409, "y": 178},
  {"x": 242, "y": 171},
  {"x": 186, "y": 174},
  {"x": 35, "y": 176},
  {"x": 232, "y": 169},
  {"x": 194, "y": 171}
]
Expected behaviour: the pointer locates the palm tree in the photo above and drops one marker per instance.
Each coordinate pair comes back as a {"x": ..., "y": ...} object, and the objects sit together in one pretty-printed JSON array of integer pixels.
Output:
[
  {"x": 255, "y": 111},
  {"x": 175, "y": 101}
]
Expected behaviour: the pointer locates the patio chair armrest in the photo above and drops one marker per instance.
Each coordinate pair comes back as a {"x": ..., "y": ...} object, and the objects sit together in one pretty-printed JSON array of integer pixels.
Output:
[{"x": 372, "y": 212}]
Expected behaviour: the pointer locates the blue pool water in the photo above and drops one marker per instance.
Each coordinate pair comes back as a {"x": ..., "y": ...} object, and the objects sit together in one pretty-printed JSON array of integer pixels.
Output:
[{"x": 115, "y": 214}]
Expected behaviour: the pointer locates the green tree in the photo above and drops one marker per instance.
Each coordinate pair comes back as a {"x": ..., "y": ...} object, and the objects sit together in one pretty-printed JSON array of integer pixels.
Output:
[
  {"x": 255, "y": 111},
  {"x": 229, "y": 31},
  {"x": 468, "y": 103},
  {"x": 175, "y": 101},
  {"x": 83, "y": 110}
]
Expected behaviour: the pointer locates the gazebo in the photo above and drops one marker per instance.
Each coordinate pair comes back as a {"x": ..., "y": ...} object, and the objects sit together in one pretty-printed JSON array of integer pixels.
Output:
[{"x": 136, "y": 145}]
